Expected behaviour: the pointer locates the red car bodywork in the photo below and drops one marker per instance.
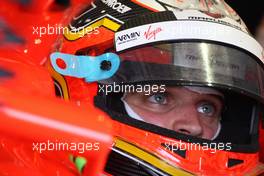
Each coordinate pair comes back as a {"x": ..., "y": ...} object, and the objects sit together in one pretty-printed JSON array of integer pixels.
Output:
[{"x": 29, "y": 110}]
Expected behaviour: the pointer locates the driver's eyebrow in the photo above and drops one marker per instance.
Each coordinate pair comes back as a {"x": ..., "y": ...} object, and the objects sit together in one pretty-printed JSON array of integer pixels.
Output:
[{"x": 220, "y": 98}]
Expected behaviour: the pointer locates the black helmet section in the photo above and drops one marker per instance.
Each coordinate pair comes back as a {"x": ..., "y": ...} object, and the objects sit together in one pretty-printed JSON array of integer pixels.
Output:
[{"x": 116, "y": 11}]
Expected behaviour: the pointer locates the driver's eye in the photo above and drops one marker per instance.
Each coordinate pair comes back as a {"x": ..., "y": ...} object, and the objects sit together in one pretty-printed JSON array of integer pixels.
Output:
[
  {"x": 158, "y": 98},
  {"x": 207, "y": 109}
]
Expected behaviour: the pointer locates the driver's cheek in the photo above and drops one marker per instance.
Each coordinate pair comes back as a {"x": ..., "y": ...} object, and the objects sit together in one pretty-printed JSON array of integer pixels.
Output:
[
  {"x": 152, "y": 116},
  {"x": 187, "y": 121},
  {"x": 209, "y": 126}
]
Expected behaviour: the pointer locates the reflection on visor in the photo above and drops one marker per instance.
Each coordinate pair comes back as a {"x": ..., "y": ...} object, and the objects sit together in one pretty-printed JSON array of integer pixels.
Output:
[{"x": 202, "y": 63}]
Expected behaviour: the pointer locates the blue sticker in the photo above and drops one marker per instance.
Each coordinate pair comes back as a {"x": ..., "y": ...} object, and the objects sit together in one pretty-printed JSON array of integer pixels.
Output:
[{"x": 88, "y": 67}]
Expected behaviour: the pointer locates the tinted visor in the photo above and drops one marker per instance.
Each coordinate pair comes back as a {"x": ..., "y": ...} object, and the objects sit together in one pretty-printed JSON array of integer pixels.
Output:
[{"x": 191, "y": 63}]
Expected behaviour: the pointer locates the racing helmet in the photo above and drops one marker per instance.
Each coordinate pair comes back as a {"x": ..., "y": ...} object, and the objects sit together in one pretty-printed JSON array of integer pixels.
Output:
[{"x": 203, "y": 46}]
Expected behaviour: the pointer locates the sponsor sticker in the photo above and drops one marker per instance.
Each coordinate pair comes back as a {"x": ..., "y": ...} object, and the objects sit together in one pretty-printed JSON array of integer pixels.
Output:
[
  {"x": 117, "y": 6},
  {"x": 151, "y": 33}
]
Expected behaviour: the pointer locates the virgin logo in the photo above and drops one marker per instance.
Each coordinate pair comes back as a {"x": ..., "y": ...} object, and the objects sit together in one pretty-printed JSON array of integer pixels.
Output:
[{"x": 152, "y": 33}]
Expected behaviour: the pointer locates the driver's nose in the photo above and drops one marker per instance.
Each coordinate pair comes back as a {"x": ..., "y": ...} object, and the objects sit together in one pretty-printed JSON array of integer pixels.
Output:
[{"x": 186, "y": 120}]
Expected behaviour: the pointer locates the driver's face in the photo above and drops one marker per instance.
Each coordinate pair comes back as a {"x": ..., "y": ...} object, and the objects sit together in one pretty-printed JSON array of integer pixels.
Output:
[{"x": 179, "y": 109}]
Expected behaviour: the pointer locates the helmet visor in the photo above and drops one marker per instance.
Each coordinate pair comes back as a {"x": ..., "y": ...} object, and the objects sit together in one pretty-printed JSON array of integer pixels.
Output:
[{"x": 191, "y": 63}]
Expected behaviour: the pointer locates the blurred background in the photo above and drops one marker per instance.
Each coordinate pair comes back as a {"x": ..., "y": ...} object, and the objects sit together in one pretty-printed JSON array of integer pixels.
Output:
[{"x": 252, "y": 12}]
